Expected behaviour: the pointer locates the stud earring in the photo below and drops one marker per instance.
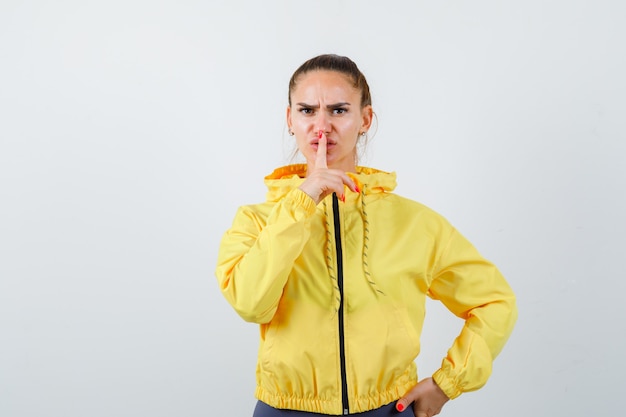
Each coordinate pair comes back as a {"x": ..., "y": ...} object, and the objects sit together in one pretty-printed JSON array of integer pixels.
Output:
[{"x": 291, "y": 132}]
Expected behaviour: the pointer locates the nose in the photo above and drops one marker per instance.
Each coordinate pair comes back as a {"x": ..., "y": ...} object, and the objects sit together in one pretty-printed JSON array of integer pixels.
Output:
[{"x": 322, "y": 122}]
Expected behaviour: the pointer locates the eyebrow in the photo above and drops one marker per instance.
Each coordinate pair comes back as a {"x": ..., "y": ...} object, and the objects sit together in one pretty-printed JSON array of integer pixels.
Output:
[{"x": 330, "y": 106}]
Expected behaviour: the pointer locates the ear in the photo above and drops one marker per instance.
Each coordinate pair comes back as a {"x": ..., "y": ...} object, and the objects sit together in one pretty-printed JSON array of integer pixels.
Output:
[
  {"x": 288, "y": 117},
  {"x": 367, "y": 114}
]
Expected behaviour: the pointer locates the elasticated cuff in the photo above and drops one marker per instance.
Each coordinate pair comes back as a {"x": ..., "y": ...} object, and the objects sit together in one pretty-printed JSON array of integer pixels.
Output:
[
  {"x": 447, "y": 384},
  {"x": 301, "y": 201}
]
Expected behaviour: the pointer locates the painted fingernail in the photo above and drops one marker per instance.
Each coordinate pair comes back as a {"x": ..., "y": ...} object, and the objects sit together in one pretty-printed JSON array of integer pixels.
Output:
[
  {"x": 321, "y": 133},
  {"x": 343, "y": 198},
  {"x": 399, "y": 407},
  {"x": 357, "y": 189}
]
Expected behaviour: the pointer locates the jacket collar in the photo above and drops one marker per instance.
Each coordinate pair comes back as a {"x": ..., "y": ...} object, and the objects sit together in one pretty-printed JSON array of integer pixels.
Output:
[{"x": 284, "y": 179}]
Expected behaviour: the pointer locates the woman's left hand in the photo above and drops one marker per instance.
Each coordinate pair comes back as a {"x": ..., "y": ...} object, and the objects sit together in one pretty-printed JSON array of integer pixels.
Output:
[{"x": 427, "y": 399}]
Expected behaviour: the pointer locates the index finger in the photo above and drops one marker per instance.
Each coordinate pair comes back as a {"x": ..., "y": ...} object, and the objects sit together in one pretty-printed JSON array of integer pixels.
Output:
[{"x": 320, "y": 160}]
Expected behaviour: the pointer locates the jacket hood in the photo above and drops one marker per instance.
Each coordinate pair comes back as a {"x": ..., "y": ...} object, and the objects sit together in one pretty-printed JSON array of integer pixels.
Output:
[{"x": 286, "y": 178}]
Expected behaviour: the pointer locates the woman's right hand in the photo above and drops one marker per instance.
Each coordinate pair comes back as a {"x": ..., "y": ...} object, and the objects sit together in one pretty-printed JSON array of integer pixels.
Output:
[{"x": 321, "y": 180}]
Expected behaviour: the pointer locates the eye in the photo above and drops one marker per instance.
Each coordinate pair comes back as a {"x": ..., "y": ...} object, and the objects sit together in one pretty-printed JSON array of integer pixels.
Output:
[
  {"x": 305, "y": 110},
  {"x": 340, "y": 110}
]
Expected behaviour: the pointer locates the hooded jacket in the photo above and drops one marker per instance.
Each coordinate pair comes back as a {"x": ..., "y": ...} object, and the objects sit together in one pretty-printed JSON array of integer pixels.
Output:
[{"x": 339, "y": 292}]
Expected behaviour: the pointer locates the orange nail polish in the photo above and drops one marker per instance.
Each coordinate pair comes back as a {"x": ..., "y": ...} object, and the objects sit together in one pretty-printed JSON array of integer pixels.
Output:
[{"x": 343, "y": 198}]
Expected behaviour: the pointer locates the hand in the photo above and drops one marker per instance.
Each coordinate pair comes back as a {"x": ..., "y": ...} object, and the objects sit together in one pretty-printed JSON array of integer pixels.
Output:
[
  {"x": 322, "y": 181},
  {"x": 427, "y": 399}
]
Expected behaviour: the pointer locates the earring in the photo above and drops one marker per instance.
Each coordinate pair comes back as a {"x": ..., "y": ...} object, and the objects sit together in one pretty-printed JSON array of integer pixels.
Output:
[
  {"x": 291, "y": 132},
  {"x": 363, "y": 134}
]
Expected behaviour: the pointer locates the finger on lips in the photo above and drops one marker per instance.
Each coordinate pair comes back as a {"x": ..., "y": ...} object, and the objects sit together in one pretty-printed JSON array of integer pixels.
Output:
[
  {"x": 321, "y": 151},
  {"x": 321, "y": 162}
]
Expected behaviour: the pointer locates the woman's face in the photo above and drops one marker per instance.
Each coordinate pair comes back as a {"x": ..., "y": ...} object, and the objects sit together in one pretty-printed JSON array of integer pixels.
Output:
[{"x": 327, "y": 101}]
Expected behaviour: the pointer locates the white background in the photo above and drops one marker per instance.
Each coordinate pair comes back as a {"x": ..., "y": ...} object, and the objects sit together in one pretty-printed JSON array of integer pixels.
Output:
[{"x": 131, "y": 130}]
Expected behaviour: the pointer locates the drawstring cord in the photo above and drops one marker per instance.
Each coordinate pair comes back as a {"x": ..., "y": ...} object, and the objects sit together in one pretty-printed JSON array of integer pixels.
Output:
[
  {"x": 329, "y": 261},
  {"x": 329, "y": 251},
  {"x": 366, "y": 241}
]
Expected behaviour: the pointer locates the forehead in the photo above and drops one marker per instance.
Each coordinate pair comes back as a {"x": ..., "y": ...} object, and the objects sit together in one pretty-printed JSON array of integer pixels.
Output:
[{"x": 325, "y": 83}]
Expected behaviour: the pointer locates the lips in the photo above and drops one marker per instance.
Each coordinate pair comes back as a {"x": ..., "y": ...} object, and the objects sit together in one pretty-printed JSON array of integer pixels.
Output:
[
  {"x": 329, "y": 146},
  {"x": 329, "y": 142}
]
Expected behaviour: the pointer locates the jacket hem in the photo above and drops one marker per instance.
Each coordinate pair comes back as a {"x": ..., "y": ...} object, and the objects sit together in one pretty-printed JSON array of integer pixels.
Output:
[{"x": 334, "y": 406}]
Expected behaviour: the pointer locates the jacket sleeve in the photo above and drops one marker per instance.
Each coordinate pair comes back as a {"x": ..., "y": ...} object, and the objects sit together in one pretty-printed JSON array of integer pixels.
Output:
[
  {"x": 473, "y": 289},
  {"x": 256, "y": 255}
]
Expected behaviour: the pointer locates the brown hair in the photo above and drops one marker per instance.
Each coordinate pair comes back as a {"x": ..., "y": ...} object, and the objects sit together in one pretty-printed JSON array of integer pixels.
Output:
[{"x": 332, "y": 62}]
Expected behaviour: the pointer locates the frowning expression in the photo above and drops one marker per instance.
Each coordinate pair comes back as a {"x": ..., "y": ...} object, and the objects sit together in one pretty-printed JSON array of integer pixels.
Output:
[{"x": 328, "y": 101}]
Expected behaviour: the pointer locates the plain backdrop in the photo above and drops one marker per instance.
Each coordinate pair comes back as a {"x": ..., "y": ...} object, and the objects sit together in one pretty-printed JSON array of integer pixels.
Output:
[{"x": 130, "y": 131}]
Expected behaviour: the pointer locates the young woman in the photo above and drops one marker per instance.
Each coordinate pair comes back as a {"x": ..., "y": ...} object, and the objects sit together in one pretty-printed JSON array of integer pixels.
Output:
[{"x": 335, "y": 268}]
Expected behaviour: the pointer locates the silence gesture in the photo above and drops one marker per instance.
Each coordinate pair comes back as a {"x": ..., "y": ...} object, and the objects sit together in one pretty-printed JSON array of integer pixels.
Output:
[{"x": 321, "y": 180}]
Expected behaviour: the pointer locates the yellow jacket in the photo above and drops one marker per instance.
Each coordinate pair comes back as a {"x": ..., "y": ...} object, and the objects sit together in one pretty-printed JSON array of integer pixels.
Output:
[{"x": 339, "y": 292}]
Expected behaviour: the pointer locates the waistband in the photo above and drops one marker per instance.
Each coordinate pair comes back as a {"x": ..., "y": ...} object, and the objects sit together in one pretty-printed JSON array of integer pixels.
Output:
[{"x": 387, "y": 410}]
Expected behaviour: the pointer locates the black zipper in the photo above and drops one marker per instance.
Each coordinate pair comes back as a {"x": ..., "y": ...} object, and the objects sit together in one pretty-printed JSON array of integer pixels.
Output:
[{"x": 342, "y": 348}]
